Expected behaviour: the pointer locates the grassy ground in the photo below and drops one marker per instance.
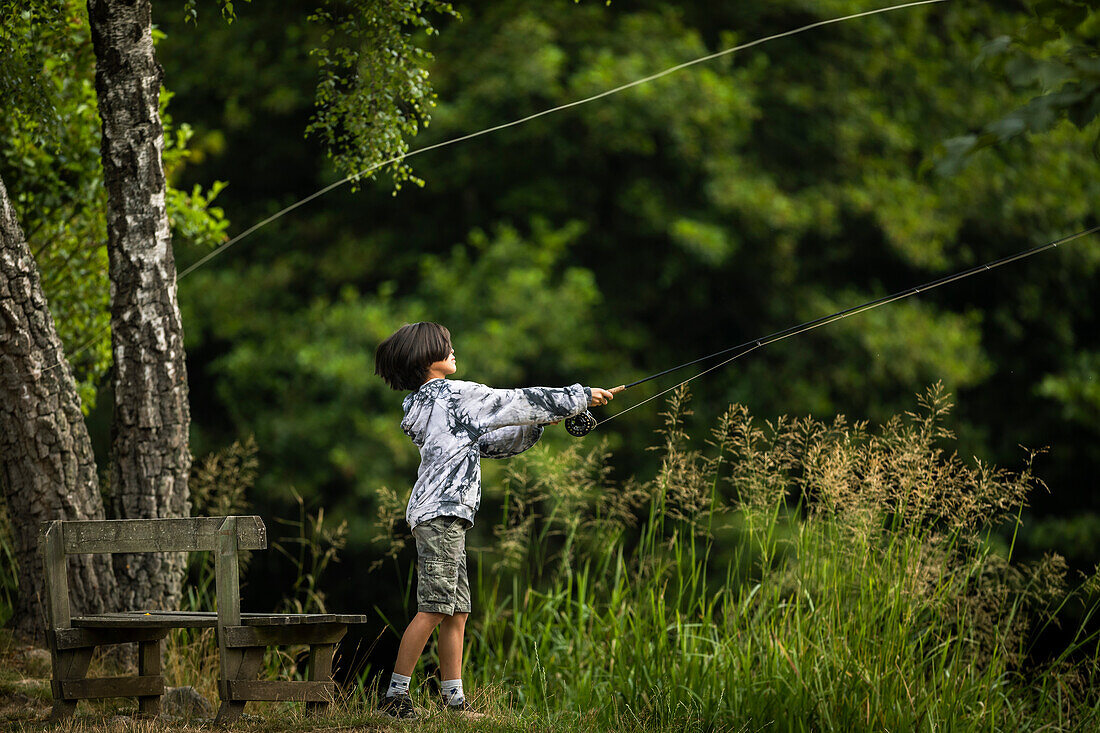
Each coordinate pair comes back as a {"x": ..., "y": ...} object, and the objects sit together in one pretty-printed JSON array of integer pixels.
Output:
[{"x": 25, "y": 705}]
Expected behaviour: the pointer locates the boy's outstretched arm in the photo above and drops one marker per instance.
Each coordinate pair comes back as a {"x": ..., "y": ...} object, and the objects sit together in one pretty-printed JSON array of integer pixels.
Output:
[
  {"x": 515, "y": 439},
  {"x": 484, "y": 409}
]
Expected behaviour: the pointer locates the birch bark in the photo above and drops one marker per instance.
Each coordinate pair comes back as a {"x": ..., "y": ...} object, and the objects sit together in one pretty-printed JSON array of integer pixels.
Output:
[
  {"x": 47, "y": 470},
  {"x": 150, "y": 460}
]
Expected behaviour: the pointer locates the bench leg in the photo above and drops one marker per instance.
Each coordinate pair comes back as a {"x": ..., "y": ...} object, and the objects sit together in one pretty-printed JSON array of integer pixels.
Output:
[
  {"x": 240, "y": 664},
  {"x": 149, "y": 656},
  {"x": 68, "y": 665},
  {"x": 320, "y": 668}
]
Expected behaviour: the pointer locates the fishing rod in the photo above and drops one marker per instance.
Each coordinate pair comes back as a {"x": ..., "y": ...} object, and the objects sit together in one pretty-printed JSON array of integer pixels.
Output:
[{"x": 583, "y": 424}]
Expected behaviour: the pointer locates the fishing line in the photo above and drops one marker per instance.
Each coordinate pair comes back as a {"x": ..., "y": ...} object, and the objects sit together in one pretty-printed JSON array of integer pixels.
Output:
[
  {"x": 583, "y": 424},
  {"x": 543, "y": 113},
  {"x": 576, "y": 103}
]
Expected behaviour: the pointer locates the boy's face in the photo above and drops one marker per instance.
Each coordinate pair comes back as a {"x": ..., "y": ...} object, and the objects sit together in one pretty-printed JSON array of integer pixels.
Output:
[{"x": 440, "y": 369}]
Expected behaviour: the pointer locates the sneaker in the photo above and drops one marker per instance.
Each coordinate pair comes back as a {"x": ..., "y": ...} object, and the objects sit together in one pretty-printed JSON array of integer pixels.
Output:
[{"x": 398, "y": 706}]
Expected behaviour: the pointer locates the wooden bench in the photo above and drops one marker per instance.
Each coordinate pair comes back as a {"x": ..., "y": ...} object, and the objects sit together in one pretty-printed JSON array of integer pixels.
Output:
[{"x": 242, "y": 638}]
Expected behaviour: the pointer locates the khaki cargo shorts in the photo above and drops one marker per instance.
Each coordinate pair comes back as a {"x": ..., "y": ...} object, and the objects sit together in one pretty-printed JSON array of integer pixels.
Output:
[{"x": 442, "y": 585}]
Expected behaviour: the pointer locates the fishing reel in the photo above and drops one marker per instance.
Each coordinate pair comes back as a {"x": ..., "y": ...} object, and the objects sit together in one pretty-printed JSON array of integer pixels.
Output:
[{"x": 580, "y": 425}]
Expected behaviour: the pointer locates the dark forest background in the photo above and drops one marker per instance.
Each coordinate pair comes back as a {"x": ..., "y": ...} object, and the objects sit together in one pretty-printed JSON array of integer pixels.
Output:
[{"x": 606, "y": 242}]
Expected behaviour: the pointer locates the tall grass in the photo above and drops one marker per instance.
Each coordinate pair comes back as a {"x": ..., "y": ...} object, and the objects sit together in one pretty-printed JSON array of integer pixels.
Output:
[{"x": 796, "y": 575}]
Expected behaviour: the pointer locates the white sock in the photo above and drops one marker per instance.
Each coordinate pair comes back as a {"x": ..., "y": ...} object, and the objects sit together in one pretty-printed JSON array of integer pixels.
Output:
[
  {"x": 452, "y": 692},
  {"x": 399, "y": 685}
]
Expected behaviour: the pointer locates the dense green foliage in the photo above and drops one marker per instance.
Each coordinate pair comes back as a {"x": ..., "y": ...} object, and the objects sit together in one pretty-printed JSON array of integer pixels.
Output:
[
  {"x": 49, "y": 160},
  {"x": 1055, "y": 56},
  {"x": 374, "y": 93},
  {"x": 612, "y": 240},
  {"x": 24, "y": 28}
]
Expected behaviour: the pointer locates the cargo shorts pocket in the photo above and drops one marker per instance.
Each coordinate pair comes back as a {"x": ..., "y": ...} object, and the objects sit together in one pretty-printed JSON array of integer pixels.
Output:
[
  {"x": 436, "y": 582},
  {"x": 455, "y": 533}
]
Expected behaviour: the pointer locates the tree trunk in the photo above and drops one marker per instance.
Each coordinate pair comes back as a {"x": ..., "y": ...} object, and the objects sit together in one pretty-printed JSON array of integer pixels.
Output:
[
  {"x": 46, "y": 465},
  {"x": 150, "y": 459}
]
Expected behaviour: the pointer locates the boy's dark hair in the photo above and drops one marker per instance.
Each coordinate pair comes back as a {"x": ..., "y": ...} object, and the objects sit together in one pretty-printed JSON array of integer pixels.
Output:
[{"x": 403, "y": 359}]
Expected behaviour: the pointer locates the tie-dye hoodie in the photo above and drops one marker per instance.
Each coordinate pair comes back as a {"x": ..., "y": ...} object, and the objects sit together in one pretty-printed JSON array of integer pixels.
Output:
[{"x": 454, "y": 423}]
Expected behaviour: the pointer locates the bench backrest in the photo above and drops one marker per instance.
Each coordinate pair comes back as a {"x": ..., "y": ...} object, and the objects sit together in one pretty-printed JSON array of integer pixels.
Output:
[{"x": 224, "y": 536}]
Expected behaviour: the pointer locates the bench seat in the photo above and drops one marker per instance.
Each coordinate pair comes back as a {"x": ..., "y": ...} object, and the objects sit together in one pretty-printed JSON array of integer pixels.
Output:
[
  {"x": 205, "y": 619},
  {"x": 242, "y": 638}
]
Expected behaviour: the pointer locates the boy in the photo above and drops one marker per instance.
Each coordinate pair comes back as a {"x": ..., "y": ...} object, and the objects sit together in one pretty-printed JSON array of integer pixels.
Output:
[{"x": 454, "y": 423}]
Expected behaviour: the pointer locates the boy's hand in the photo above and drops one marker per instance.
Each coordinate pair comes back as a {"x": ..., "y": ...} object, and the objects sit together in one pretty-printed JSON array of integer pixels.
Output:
[{"x": 602, "y": 396}]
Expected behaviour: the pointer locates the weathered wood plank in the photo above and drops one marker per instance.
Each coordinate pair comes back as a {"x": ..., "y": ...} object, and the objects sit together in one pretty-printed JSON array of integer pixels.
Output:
[
  {"x": 227, "y": 575},
  {"x": 227, "y": 586},
  {"x": 158, "y": 621},
  {"x": 108, "y": 687},
  {"x": 228, "y": 594},
  {"x": 77, "y": 638},
  {"x": 62, "y": 710},
  {"x": 240, "y": 665},
  {"x": 240, "y": 690},
  {"x": 68, "y": 665},
  {"x": 320, "y": 667},
  {"x": 149, "y": 656},
  {"x": 51, "y": 549},
  {"x": 72, "y": 665},
  {"x": 291, "y": 619},
  {"x": 207, "y": 619},
  {"x": 245, "y": 636},
  {"x": 320, "y": 662},
  {"x": 187, "y": 534},
  {"x": 149, "y": 612}
]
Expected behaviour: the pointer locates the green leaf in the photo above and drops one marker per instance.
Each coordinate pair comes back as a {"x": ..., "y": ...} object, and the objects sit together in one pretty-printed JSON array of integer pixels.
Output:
[
  {"x": 1008, "y": 127},
  {"x": 992, "y": 49},
  {"x": 955, "y": 154},
  {"x": 1037, "y": 34}
]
